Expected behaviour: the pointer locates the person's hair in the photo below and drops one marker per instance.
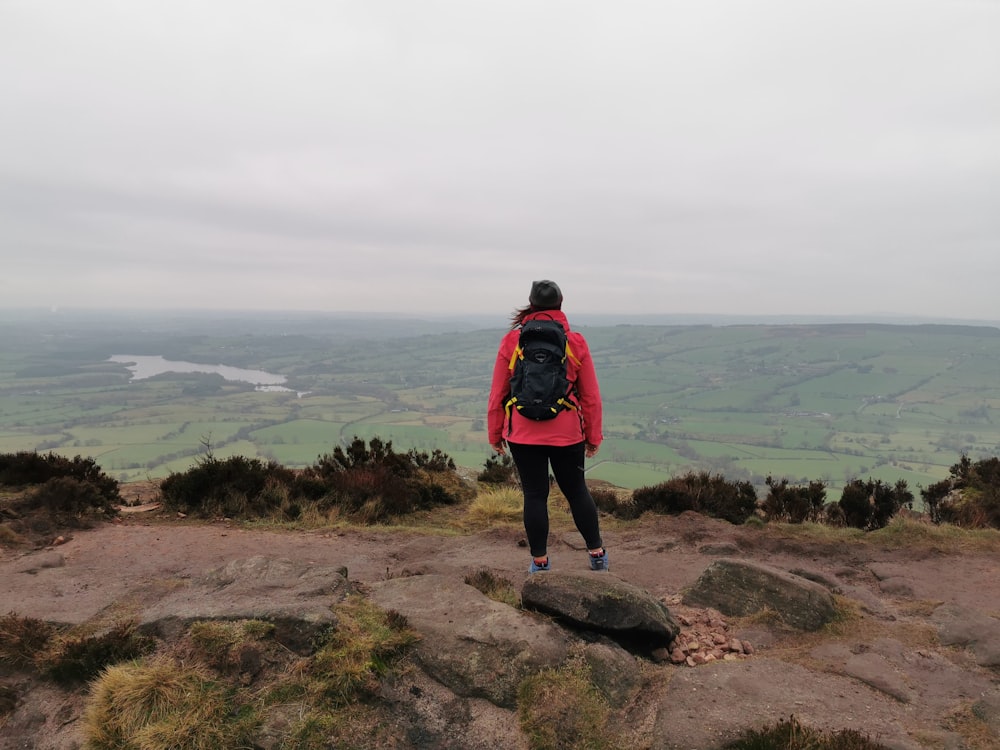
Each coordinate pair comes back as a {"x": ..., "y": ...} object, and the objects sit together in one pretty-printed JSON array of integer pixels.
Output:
[
  {"x": 517, "y": 317},
  {"x": 544, "y": 295}
]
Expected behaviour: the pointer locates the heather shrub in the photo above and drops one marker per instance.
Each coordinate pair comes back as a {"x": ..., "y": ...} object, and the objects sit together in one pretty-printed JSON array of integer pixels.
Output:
[
  {"x": 710, "y": 495},
  {"x": 969, "y": 497},
  {"x": 358, "y": 455},
  {"x": 793, "y": 504},
  {"x": 368, "y": 482},
  {"x": 870, "y": 505},
  {"x": 498, "y": 470},
  {"x": 30, "y": 468},
  {"x": 437, "y": 460},
  {"x": 69, "y": 502},
  {"x": 22, "y": 639},
  {"x": 235, "y": 486},
  {"x": 608, "y": 500},
  {"x": 373, "y": 483}
]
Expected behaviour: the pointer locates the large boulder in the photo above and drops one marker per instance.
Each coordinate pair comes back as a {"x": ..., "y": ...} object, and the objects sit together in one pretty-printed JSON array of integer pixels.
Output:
[
  {"x": 475, "y": 646},
  {"x": 738, "y": 588},
  {"x": 604, "y": 604}
]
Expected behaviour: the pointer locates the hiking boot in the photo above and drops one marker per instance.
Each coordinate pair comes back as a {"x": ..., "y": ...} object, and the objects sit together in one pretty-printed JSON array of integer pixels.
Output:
[
  {"x": 536, "y": 568},
  {"x": 599, "y": 562}
]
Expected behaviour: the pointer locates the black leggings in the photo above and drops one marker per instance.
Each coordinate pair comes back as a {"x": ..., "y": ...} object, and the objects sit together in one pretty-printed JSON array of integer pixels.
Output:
[{"x": 532, "y": 463}]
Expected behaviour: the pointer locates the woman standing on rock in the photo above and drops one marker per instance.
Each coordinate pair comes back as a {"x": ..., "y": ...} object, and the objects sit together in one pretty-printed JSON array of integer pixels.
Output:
[{"x": 547, "y": 409}]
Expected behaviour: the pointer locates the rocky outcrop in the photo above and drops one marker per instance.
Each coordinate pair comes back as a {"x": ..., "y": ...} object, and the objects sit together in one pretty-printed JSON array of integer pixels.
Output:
[
  {"x": 881, "y": 672},
  {"x": 295, "y": 597},
  {"x": 739, "y": 588},
  {"x": 477, "y": 647},
  {"x": 979, "y": 632},
  {"x": 604, "y": 604}
]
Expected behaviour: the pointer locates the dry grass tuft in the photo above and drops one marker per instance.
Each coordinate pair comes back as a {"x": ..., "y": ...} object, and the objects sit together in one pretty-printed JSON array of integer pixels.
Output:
[
  {"x": 209, "y": 691},
  {"x": 497, "y": 505},
  {"x": 9, "y": 698},
  {"x": 360, "y": 651},
  {"x": 334, "y": 690},
  {"x": 230, "y": 646},
  {"x": 22, "y": 639},
  {"x": 916, "y": 533},
  {"x": 562, "y": 709},
  {"x": 812, "y": 532},
  {"x": 10, "y": 538},
  {"x": 162, "y": 704},
  {"x": 791, "y": 735},
  {"x": 497, "y": 588},
  {"x": 976, "y": 733}
]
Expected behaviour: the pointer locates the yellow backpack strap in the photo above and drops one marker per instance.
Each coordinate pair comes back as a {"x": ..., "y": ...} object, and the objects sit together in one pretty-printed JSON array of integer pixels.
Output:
[
  {"x": 565, "y": 401},
  {"x": 567, "y": 404},
  {"x": 512, "y": 401},
  {"x": 518, "y": 354},
  {"x": 506, "y": 407},
  {"x": 569, "y": 353}
]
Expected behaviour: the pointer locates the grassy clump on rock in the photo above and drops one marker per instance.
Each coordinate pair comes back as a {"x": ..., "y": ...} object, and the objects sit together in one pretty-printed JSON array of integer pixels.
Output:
[
  {"x": 562, "y": 709},
  {"x": 210, "y": 692}
]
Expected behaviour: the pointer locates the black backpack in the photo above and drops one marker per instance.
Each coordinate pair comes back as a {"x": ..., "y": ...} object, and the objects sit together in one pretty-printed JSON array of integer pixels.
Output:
[{"x": 539, "y": 387}]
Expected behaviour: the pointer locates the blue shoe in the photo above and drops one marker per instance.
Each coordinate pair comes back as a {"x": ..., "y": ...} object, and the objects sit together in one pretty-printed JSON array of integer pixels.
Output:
[
  {"x": 536, "y": 568},
  {"x": 599, "y": 562}
]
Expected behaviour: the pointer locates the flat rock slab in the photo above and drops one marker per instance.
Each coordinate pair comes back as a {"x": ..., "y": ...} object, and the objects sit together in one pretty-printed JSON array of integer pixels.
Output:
[
  {"x": 297, "y": 597},
  {"x": 33, "y": 563},
  {"x": 961, "y": 626},
  {"x": 696, "y": 708}
]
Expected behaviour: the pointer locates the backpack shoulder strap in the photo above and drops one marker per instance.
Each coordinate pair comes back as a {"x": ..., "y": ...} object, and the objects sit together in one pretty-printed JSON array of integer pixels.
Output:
[{"x": 570, "y": 354}]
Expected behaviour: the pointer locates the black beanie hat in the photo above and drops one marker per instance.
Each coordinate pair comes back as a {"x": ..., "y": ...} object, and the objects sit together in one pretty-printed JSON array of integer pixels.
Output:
[{"x": 545, "y": 295}]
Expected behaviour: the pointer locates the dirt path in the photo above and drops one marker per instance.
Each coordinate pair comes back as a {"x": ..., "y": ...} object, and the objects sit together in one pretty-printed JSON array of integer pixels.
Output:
[{"x": 98, "y": 567}]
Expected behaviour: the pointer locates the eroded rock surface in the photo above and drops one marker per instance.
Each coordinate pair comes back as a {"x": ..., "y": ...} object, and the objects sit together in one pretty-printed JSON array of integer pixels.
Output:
[{"x": 739, "y": 588}]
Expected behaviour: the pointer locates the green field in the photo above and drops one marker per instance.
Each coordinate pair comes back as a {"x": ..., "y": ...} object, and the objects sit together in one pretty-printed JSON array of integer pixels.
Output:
[{"x": 830, "y": 402}]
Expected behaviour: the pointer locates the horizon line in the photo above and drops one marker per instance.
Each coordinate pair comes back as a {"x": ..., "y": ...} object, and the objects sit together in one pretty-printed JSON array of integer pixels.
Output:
[{"x": 689, "y": 317}]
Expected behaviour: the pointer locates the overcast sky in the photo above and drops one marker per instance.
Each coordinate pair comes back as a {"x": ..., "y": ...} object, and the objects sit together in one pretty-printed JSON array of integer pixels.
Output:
[{"x": 737, "y": 157}]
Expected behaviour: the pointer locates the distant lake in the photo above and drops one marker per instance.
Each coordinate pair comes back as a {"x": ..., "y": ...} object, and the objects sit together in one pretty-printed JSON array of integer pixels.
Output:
[{"x": 143, "y": 366}]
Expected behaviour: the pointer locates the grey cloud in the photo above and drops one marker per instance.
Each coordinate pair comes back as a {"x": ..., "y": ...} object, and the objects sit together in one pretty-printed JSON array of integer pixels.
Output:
[{"x": 667, "y": 156}]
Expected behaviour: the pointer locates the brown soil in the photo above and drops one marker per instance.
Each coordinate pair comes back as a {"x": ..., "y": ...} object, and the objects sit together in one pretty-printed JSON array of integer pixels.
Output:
[{"x": 134, "y": 558}]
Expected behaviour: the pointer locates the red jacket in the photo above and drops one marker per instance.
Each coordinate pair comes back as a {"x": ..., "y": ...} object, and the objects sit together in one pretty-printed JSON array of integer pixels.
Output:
[{"x": 569, "y": 427}]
